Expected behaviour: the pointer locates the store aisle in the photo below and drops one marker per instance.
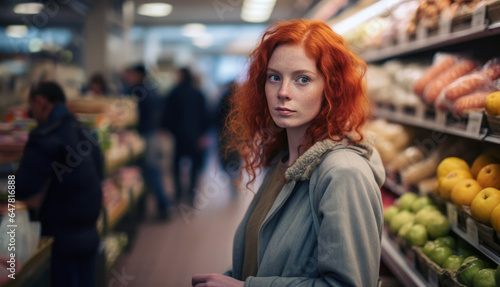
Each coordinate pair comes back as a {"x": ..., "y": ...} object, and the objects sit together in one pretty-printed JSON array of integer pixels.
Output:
[{"x": 193, "y": 241}]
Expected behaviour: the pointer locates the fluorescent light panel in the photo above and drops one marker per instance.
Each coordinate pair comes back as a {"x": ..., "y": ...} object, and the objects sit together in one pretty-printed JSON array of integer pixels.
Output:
[
  {"x": 28, "y": 8},
  {"x": 154, "y": 9},
  {"x": 256, "y": 11}
]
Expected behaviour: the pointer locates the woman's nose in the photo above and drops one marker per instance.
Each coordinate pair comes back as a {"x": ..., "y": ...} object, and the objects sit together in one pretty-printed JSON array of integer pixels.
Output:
[{"x": 284, "y": 93}]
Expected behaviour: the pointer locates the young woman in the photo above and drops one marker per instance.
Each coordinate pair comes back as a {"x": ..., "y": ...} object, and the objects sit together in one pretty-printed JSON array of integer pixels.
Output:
[{"x": 317, "y": 218}]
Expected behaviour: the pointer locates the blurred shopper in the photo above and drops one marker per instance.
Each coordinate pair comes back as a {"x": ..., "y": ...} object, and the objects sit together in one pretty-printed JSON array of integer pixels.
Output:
[
  {"x": 185, "y": 116},
  {"x": 317, "y": 218},
  {"x": 230, "y": 160},
  {"x": 63, "y": 161},
  {"x": 148, "y": 105},
  {"x": 97, "y": 86}
]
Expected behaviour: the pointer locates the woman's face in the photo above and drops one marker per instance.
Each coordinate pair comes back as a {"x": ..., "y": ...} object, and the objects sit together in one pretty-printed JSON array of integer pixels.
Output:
[{"x": 294, "y": 88}]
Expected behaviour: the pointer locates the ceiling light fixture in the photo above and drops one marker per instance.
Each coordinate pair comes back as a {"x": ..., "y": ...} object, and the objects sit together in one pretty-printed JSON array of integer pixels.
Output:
[
  {"x": 257, "y": 11},
  {"x": 28, "y": 8},
  {"x": 16, "y": 31},
  {"x": 193, "y": 30},
  {"x": 366, "y": 14},
  {"x": 154, "y": 9}
]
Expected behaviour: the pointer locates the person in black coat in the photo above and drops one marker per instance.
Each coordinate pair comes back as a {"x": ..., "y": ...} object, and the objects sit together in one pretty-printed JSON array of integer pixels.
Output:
[
  {"x": 63, "y": 161},
  {"x": 185, "y": 116},
  {"x": 148, "y": 107}
]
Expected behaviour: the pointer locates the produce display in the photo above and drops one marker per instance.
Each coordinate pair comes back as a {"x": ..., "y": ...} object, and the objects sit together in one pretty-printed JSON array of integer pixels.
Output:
[
  {"x": 410, "y": 158},
  {"x": 417, "y": 224},
  {"x": 118, "y": 188},
  {"x": 120, "y": 111}
]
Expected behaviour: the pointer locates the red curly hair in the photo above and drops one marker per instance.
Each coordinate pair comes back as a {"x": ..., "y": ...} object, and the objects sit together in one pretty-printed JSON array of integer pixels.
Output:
[{"x": 345, "y": 108}]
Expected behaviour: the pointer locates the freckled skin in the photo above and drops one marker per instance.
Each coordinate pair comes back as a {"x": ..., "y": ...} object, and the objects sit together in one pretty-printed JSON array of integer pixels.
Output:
[{"x": 295, "y": 84}]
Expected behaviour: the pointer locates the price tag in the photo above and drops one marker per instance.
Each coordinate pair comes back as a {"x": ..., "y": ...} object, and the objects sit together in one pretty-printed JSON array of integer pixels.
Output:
[
  {"x": 444, "y": 26},
  {"x": 421, "y": 33},
  {"x": 472, "y": 231},
  {"x": 451, "y": 210},
  {"x": 410, "y": 257},
  {"x": 474, "y": 123},
  {"x": 441, "y": 118},
  {"x": 479, "y": 16},
  {"x": 420, "y": 111},
  {"x": 402, "y": 38},
  {"x": 433, "y": 278}
]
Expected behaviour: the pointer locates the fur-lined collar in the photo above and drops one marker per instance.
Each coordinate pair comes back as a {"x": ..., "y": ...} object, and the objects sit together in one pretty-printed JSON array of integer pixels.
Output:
[{"x": 304, "y": 166}]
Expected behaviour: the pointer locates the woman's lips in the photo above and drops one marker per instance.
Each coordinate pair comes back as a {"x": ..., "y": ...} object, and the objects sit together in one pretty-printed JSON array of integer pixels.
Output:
[{"x": 284, "y": 111}]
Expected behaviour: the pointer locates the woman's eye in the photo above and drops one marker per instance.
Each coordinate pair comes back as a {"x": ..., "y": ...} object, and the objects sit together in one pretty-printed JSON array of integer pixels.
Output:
[
  {"x": 274, "y": 78},
  {"x": 304, "y": 80}
]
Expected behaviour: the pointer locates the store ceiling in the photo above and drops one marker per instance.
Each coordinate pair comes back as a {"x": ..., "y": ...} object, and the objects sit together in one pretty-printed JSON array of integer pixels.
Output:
[{"x": 211, "y": 12}]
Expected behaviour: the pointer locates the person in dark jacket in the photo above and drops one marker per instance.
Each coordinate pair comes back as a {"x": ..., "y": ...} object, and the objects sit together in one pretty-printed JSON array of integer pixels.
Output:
[
  {"x": 63, "y": 161},
  {"x": 230, "y": 161},
  {"x": 185, "y": 116},
  {"x": 147, "y": 102}
]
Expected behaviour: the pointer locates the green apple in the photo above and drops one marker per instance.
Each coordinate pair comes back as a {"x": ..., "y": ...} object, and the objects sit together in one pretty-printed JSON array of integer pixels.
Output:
[
  {"x": 390, "y": 212},
  {"x": 404, "y": 229},
  {"x": 406, "y": 200},
  {"x": 448, "y": 241},
  {"x": 399, "y": 219},
  {"x": 440, "y": 253},
  {"x": 439, "y": 226},
  {"x": 420, "y": 203},
  {"x": 429, "y": 246},
  {"x": 497, "y": 275},
  {"x": 417, "y": 235},
  {"x": 469, "y": 269},
  {"x": 453, "y": 262},
  {"x": 470, "y": 258},
  {"x": 426, "y": 214},
  {"x": 484, "y": 278}
]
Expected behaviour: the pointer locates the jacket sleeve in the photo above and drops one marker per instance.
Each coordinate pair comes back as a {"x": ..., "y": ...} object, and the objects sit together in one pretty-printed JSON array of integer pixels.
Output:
[
  {"x": 350, "y": 216},
  {"x": 34, "y": 171}
]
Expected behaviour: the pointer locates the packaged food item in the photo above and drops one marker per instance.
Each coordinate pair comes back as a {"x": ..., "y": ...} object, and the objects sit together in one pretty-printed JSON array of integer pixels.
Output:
[
  {"x": 475, "y": 82},
  {"x": 441, "y": 63},
  {"x": 458, "y": 70},
  {"x": 470, "y": 102},
  {"x": 491, "y": 69},
  {"x": 408, "y": 157}
]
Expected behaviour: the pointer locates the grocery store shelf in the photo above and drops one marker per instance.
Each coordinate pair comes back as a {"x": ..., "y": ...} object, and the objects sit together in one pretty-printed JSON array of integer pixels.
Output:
[
  {"x": 398, "y": 265},
  {"x": 431, "y": 43},
  {"x": 479, "y": 247},
  {"x": 404, "y": 119},
  {"x": 492, "y": 139}
]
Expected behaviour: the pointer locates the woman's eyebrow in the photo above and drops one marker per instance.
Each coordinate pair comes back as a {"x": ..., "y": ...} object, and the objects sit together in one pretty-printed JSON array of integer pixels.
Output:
[{"x": 294, "y": 72}]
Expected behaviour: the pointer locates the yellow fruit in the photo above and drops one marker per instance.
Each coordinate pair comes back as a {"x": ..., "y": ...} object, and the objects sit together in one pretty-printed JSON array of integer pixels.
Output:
[
  {"x": 449, "y": 164},
  {"x": 483, "y": 204},
  {"x": 489, "y": 176},
  {"x": 493, "y": 103},
  {"x": 481, "y": 161},
  {"x": 464, "y": 192},
  {"x": 495, "y": 218},
  {"x": 447, "y": 183}
]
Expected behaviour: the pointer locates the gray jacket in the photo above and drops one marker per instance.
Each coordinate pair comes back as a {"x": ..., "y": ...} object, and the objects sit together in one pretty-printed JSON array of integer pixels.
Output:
[{"x": 325, "y": 227}]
